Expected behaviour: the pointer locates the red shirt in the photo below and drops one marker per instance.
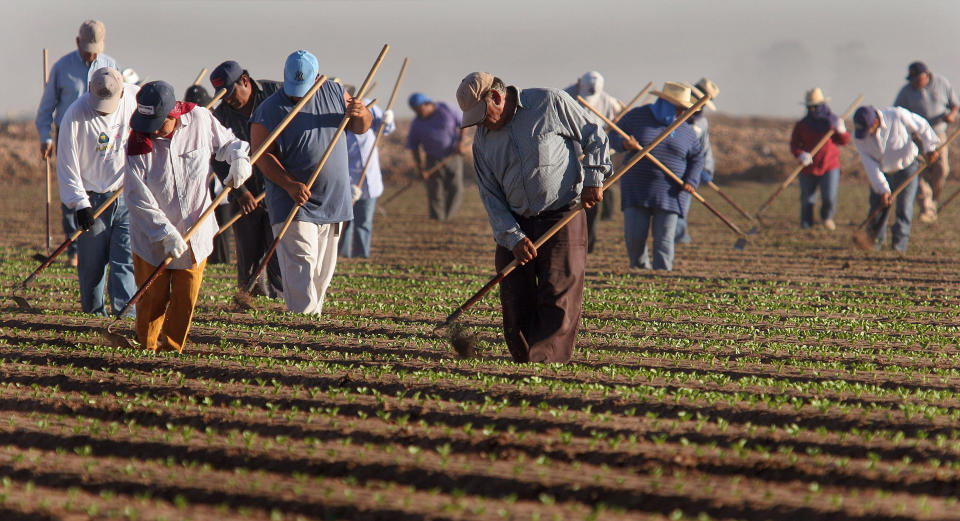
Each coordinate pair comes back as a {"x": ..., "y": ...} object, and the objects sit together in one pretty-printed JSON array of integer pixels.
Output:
[{"x": 805, "y": 138}]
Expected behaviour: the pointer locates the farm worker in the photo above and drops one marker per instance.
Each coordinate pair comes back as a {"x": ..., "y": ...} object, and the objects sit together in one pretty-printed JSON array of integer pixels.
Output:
[
  {"x": 889, "y": 156},
  {"x": 254, "y": 235},
  {"x": 932, "y": 97},
  {"x": 435, "y": 135},
  {"x": 356, "y": 238},
  {"x": 529, "y": 178},
  {"x": 221, "y": 243},
  {"x": 823, "y": 169},
  {"x": 168, "y": 159},
  {"x": 648, "y": 197},
  {"x": 700, "y": 125},
  {"x": 68, "y": 81},
  {"x": 590, "y": 87},
  {"x": 91, "y": 153},
  {"x": 308, "y": 250}
]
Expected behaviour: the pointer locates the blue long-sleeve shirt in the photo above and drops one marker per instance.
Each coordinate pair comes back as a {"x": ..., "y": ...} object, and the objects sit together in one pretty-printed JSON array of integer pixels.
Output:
[
  {"x": 67, "y": 82},
  {"x": 645, "y": 185},
  {"x": 530, "y": 164}
]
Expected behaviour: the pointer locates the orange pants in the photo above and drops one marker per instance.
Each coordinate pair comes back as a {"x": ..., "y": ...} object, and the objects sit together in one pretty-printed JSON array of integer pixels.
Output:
[{"x": 167, "y": 305}]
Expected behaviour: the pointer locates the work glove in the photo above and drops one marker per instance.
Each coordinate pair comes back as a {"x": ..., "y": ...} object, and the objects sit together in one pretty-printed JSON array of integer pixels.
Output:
[
  {"x": 84, "y": 217},
  {"x": 240, "y": 171},
  {"x": 356, "y": 192},
  {"x": 173, "y": 244},
  {"x": 805, "y": 159},
  {"x": 388, "y": 118},
  {"x": 838, "y": 125}
]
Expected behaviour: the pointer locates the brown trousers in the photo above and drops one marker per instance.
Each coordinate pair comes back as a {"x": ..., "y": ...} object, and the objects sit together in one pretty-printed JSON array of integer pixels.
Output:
[
  {"x": 167, "y": 305},
  {"x": 542, "y": 299}
]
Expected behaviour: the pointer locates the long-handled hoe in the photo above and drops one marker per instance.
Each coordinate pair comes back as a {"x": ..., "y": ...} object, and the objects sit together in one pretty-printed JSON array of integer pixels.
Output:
[
  {"x": 242, "y": 297},
  {"x": 796, "y": 171},
  {"x": 626, "y": 108},
  {"x": 22, "y": 302},
  {"x": 865, "y": 236},
  {"x": 741, "y": 241},
  {"x": 122, "y": 341},
  {"x": 462, "y": 340}
]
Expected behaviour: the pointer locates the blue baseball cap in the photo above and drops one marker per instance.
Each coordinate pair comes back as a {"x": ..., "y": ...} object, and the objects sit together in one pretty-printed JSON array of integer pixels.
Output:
[
  {"x": 416, "y": 99},
  {"x": 863, "y": 119},
  {"x": 154, "y": 102},
  {"x": 225, "y": 76},
  {"x": 300, "y": 73}
]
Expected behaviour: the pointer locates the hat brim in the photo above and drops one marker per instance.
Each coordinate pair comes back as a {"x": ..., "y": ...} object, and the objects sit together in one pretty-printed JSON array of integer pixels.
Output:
[
  {"x": 674, "y": 101},
  {"x": 860, "y": 134},
  {"x": 91, "y": 47},
  {"x": 821, "y": 102},
  {"x": 295, "y": 89},
  {"x": 699, "y": 94},
  {"x": 146, "y": 124},
  {"x": 106, "y": 106},
  {"x": 475, "y": 115}
]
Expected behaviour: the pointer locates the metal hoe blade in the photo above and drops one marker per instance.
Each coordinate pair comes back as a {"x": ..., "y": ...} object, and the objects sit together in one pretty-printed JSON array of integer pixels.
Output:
[{"x": 740, "y": 244}]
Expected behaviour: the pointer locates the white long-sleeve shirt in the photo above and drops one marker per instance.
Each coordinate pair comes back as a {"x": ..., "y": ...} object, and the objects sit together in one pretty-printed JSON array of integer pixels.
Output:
[
  {"x": 166, "y": 188},
  {"x": 92, "y": 148},
  {"x": 892, "y": 149}
]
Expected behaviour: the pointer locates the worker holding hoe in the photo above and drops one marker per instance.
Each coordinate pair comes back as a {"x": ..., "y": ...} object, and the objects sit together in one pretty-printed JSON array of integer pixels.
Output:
[
  {"x": 308, "y": 250},
  {"x": 254, "y": 234},
  {"x": 701, "y": 126},
  {"x": 884, "y": 138},
  {"x": 168, "y": 159},
  {"x": 436, "y": 137},
  {"x": 529, "y": 178},
  {"x": 91, "y": 154}
]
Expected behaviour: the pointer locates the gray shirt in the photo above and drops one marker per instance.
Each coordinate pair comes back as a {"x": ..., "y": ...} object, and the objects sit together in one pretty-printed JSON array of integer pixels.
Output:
[
  {"x": 530, "y": 165},
  {"x": 932, "y": 102}
]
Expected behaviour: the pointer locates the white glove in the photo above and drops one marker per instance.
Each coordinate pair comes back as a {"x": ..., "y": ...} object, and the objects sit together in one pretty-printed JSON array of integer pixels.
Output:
[
  {"x": 240, "y": 171},
  {"x": 356, "y": 192},
  {"x": 388, "y": 118},
  {"x": 805, "y": 159},
  {"x": 173, "y": 245},
  {"x": 840, "y": 127}
]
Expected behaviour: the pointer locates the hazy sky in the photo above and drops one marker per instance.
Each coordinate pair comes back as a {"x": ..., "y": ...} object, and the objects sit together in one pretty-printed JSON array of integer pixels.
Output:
[{"x": 762, "y": 53}]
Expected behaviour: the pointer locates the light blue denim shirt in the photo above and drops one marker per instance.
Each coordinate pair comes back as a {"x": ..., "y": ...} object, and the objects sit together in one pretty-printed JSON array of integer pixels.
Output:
[
  {"x": 67, "y": 82},
  {"x": 530, "y": 165}
]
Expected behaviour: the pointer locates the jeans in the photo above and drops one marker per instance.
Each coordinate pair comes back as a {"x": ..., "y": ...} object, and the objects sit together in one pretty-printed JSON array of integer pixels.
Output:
[
  {"x": 681, "y": 235},
  {"x": 828, "y": 183},
  {"x": 69, "y": 222},
  {"x": 445, "y": 188},
  {"x": 106, "y": 243},
  {"x": 636, "y": 223},
  {"x": 355, "y": 240},
  {"x": 904, "y": 212}
]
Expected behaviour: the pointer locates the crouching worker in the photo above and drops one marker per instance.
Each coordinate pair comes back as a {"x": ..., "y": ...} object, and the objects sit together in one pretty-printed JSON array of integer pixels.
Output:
[{"x": 168, "y": 157}]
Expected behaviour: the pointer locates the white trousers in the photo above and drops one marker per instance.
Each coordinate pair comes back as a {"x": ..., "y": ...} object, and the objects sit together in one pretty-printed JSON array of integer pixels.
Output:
[{"x": 308, "y": 258}]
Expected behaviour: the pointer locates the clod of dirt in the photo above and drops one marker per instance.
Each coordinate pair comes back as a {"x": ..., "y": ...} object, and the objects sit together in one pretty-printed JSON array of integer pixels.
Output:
[
  {"x": 463, "y": 340},
  {"x": 243, "y": 300},
  {"x": 846, "y": 265}
]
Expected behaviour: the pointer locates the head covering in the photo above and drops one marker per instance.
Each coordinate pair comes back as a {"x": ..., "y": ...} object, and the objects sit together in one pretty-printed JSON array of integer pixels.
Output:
[
  {"x": 300, "y": 73},
  {"x": 470, "y": 97},
  {"x": 697, "y": 93},
  {"x": 863, "y": 119},
  {"x": 130, "y": 76},
  {"x": 590, "y": 84},
  {"x": 154, "y": 102},
  {"x": 819, "y": 117},
  {"x": 106, "y": 87},
  {"x": 197, "y": 94},
  {"x": 675, "y": 93},
  {"x": 91, "y": 36},
  {"x": 915, "y": 69},
  {"x": 225, "y": 76},
  {"x": 815, "y": 97},
  {"x": 709, "y": 87},
  {"x": 416, "y": 99}
]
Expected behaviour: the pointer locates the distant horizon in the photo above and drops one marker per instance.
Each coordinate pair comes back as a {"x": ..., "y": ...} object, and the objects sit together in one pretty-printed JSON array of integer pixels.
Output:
[{"x": 763, "y": 56}]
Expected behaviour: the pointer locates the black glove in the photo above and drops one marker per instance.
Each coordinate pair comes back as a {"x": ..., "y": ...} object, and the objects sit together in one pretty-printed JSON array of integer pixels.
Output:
[{"x": 85, "y": 218}]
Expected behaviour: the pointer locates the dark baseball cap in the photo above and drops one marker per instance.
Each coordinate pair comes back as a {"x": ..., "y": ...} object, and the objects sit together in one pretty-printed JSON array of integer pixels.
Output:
[
  {"x": 863, "y": 119},
  {"x": 225, "y": 76},
  {"x": 154, "y": 102},
  {"x": 197, "y": 94},
  {"x": 915, "y": 69}
]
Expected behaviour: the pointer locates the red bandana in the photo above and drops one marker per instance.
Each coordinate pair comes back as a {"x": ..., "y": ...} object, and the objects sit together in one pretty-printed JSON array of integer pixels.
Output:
[{"x": 140, "y": 143}]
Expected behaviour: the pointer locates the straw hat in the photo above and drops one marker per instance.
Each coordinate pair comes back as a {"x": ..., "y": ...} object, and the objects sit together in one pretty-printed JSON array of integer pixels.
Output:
[
  {"x": 675, "y": 93},
  {"x": 705, "y": 85},
  {"x": 815, "y": 97}
]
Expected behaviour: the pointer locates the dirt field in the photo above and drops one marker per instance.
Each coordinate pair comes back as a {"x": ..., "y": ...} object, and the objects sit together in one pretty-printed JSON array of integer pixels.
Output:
[{"x": 798, "y": 379}]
